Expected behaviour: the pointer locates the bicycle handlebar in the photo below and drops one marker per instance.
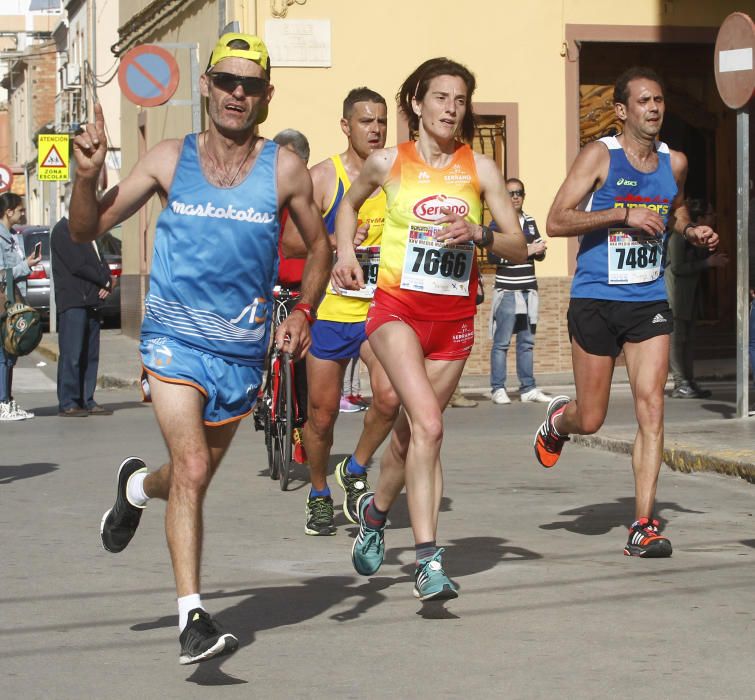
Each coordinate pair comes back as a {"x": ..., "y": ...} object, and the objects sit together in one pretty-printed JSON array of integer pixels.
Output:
[{"x": 284, "y": 294}]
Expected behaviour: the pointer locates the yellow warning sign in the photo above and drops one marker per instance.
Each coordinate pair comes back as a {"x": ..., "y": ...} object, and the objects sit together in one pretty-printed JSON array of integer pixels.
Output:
[{"x": 52, "y": 157}]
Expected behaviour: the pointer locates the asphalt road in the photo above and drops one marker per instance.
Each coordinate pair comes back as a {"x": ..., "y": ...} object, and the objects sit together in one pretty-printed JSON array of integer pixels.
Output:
[{"x": 549, "y": 606}]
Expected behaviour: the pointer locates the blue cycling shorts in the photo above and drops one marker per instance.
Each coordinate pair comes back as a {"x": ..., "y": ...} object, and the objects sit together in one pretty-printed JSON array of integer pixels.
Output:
[
  {"x": 230, "y": 390},
  {"x": 335, "y": 340}
]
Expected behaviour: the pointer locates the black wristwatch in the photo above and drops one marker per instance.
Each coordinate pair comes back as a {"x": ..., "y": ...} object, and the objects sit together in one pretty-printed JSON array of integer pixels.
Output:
[
  {"x": 487, "y": 236},
  {"x": 686, "y": 228},
  {"x": 307, "y": 310}
]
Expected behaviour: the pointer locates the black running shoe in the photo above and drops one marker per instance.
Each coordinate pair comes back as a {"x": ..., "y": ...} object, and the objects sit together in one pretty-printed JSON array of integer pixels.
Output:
[
  {"x": 319, "y": 514},
  {"x": 201, "y": 639},
  {"x": 644, "y": 540},
  {"x": 353, "y": 487},
  {"x": 119, "y": 524}
]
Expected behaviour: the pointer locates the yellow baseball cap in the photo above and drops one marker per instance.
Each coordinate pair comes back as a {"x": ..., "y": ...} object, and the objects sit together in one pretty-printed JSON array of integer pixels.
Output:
[{"x": 256, "y": 51}]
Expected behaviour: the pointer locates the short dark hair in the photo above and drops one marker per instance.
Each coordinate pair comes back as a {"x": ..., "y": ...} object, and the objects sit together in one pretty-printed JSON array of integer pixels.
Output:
[
  {"x": 509, "y": 180},
  {"x": 621, "y": 87},
  {"x": 416, "y": 85},
  {"x": 296, "y": 139},
  {"x": 360, "y": 94},
  {"x": 10, "y": 200}
]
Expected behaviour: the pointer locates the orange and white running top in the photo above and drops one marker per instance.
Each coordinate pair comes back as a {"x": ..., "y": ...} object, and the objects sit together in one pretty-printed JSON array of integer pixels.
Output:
[{"x": 432, "y": 280}]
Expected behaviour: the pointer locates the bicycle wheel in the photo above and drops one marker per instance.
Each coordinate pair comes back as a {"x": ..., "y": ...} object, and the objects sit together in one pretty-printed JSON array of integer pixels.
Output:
[
  {"x": 271, "y": 463},
  {"x": 266, "y": 410},
  {"x": 285, "y": 419}
]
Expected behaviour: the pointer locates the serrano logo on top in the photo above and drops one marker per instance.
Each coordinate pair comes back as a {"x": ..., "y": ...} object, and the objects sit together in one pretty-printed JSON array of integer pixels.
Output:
[{"x": 430, "y": 208}]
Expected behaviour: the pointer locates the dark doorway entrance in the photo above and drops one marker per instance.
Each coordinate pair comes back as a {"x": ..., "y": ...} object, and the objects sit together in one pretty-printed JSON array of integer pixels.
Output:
[{"x": 696, "y": 123}]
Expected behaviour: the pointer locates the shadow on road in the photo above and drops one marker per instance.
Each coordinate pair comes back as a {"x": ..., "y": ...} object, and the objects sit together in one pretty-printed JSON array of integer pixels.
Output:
[
  {"x": 601, "y": 518},
  {"x": 278, "y": 606},
  {"x": 464, "y": 557},
  {"x": 725, "y": 410},
  {"x": 16, "y": 472}
]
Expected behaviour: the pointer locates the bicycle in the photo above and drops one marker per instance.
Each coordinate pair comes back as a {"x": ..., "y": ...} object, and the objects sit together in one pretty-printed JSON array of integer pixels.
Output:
[{"x": 276, "y": 411}]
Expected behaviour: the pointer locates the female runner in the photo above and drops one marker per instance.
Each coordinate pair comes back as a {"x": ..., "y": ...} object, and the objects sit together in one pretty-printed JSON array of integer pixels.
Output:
[{"x": 421, "y": 322}]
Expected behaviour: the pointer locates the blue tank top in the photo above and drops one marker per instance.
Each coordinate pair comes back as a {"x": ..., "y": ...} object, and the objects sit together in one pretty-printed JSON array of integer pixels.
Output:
[
  {"x": 216, "y": 259},
  {"x": 621, "y": 267}
]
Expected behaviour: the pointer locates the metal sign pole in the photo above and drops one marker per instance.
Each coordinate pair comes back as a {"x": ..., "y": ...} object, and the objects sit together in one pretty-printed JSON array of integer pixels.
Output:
[{"x": 743, "y": 286}]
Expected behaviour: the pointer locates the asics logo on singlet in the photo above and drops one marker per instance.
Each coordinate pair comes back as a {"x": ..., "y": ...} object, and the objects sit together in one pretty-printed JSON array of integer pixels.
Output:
[
  {"x": 229, "y": 212},
  {"x": 430, "y": 208},
  {"x": 628, "y": 183}
]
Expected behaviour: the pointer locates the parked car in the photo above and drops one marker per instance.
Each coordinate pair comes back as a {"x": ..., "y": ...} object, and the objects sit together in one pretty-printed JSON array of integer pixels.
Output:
[
  {"x": 38, "y": 283},
  {"x": 110, "y": 246}
]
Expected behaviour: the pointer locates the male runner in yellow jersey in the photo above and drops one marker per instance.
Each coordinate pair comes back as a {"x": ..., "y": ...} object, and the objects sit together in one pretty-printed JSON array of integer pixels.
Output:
[{"x": 338, "y": 334}]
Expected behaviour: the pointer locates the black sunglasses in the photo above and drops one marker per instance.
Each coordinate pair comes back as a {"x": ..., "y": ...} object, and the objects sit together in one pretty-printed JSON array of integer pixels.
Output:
[
  {"x": 516, "y": 193},
  {"x": 228, "y": 82}
]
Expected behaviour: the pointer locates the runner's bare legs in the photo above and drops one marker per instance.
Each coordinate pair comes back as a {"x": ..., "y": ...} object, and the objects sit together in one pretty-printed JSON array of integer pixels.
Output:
[
  {"x": 195, "y": 454},
  {"x": 414, "y": 454},
  {"x": 647, "y": 366}
]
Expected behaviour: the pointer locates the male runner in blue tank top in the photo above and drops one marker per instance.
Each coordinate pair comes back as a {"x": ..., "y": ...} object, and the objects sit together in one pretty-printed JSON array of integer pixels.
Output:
[
  {"x": 207, "y": 315},
  {"x": 635, "y": 185}
]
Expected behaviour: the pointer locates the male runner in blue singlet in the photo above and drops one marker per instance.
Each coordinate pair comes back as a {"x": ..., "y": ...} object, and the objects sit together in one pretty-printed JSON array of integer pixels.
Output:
[
  {"x": 207, "y": 315},
  {"x": 635, "y": 185}
]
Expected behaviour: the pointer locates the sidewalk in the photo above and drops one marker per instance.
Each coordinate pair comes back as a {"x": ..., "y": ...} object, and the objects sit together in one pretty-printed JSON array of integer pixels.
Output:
[{"x": 701, "y": 435}]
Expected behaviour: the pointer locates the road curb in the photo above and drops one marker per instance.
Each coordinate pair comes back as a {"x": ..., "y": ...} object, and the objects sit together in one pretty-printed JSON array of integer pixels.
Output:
[
  {"x": 678, "y": 459},
  {"x": 104, "y": 381}
]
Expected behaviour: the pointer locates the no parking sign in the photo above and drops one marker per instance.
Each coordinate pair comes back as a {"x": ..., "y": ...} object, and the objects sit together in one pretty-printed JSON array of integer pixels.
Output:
[
  {"x": 148, "y": 75},
  {"x": 6, "y": 178}
]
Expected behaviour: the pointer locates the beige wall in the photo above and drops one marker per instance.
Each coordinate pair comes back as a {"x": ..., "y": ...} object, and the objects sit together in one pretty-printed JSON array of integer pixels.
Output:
[{"x": 516, "y": 50}]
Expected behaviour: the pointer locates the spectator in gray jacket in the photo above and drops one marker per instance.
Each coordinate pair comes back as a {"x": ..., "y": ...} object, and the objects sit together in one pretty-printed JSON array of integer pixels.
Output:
[{"x": 12, "y": 213}]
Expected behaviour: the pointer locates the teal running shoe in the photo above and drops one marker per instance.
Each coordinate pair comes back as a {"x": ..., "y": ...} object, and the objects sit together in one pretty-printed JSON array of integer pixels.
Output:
[
  {"x": 431, "y": 581},
  {"x": 369, "y": 546}
]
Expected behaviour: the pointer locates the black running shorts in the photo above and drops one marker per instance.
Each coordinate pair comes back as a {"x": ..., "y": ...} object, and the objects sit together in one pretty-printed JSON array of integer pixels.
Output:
[{"x": 601, "y": 327}]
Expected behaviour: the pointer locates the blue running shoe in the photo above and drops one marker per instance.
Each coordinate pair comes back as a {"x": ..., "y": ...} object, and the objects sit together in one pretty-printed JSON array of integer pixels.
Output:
[
  {"x": 369, "y": 546},
  {"x": 431, "y": 581}
]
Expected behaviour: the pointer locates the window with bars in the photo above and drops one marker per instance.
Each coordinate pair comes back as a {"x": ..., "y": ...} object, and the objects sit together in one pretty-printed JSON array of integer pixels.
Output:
[{"x": 490, "y": 140}]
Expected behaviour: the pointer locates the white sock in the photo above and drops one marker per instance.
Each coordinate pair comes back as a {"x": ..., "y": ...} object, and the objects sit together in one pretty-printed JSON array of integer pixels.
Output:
[
  {"x": 135, "y": 489},
  {"x": 186, "y": 604}
]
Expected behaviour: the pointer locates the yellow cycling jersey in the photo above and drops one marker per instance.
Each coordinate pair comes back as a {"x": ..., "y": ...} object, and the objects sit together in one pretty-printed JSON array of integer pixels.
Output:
[{"x": 351, "y": 308}]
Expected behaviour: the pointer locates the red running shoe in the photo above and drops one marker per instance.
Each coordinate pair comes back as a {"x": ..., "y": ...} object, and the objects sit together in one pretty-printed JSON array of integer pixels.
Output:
[
  {"x": 644, "y": 540},
  {"x": 358, "y": 400},
  {"x": 548, "y": 443}
]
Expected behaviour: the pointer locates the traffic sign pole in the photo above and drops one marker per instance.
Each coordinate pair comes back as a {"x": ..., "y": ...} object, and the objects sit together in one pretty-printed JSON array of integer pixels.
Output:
[
  {"x": 735, "y": 80},
  {"x": 743, "y": 257}
]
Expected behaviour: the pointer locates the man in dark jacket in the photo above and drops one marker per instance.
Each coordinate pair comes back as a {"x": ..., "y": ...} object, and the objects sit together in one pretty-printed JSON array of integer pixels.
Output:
[{"x": 82, "y": 282}]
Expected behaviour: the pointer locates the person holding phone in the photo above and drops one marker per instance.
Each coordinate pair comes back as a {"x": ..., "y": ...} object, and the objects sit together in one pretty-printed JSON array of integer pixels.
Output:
[
  {"x": 82, "y": 283},
  {"x": 12, "y": 213}
]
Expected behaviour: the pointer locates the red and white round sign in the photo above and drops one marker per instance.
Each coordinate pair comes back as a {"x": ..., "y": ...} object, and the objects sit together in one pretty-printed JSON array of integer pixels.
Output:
[
  {"x": 6, "y": 178},
  {"x": 734, "y": 64}
]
